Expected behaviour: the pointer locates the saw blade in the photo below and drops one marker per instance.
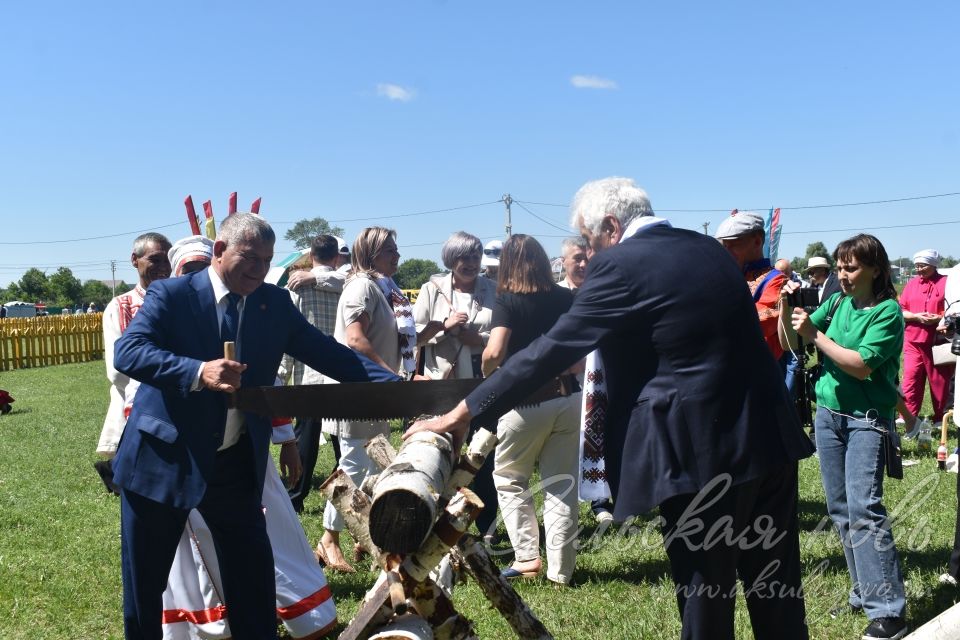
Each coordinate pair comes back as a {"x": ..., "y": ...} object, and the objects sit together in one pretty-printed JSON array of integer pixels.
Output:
[{"x": 357, "y": 400}]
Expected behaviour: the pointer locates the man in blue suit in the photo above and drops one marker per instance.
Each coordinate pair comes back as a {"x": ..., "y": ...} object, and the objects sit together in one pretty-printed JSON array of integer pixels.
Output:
[
  {"x": 184, "y": 448},
  {"x": 698, "y": 419}
]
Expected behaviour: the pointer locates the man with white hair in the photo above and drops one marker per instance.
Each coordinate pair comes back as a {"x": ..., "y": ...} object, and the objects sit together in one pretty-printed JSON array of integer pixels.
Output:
[
  {"x": 698, "y": 420},
  {"x": 923, "y": 308}
]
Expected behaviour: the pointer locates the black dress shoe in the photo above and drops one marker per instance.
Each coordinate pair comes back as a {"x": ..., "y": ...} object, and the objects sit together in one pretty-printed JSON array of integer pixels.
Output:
[
  {"x": 885, "y": 629},
  {"x": 105, "y": 471}
]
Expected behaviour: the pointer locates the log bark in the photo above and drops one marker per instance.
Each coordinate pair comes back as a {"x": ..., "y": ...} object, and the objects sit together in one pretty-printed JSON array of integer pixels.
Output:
[
  {"x": 404, "y": 506},
  {"x": 354, "y": 506},
  {"x": 499, "y": 592},
  {"x": 407, "y": 627},
  {"x": 457, "y": 517},
  {"x": 482, "y": 443},
  {"x": 380, "y": 450}
]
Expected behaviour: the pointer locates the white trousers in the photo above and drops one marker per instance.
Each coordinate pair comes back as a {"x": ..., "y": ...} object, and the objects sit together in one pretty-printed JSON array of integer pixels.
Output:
[
  {"x": 355, "y": 462},
  {"x": 192, "y": 604},
  {"x": 549, "y": 435}
]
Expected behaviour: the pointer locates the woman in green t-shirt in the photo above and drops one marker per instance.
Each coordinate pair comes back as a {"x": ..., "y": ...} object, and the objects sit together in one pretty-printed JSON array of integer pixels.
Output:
[{"x": 859, "y": 333}]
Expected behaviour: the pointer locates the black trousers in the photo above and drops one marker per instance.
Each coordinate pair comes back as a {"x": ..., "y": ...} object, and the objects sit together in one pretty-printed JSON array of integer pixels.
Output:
[
  {"x": 308, "y": 432},
  {"x": 749, "y": 530}
]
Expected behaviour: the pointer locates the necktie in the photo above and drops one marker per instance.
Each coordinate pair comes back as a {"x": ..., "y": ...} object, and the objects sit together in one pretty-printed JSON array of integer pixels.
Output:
[{"x": 231, "y": 319}]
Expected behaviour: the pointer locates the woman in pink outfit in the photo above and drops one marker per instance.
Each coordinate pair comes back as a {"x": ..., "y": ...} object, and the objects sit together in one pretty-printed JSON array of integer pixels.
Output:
[{"x": 922, "y": 304}]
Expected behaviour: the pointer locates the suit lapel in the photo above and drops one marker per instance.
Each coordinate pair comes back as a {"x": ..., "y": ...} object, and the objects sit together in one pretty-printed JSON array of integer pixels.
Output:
[{"x": 203, "y": 308}]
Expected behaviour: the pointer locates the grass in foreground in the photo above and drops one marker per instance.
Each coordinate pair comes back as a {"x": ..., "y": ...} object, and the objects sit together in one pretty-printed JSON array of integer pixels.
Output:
[{"x": 60, "y": 547}]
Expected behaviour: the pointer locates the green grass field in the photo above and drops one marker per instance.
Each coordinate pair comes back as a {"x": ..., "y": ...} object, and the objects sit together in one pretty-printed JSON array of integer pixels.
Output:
[{"x": 60, "y": 548}]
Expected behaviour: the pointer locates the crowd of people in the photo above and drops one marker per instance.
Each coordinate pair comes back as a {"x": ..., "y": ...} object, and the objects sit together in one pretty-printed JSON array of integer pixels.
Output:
[{"x": 645, "y": 409}]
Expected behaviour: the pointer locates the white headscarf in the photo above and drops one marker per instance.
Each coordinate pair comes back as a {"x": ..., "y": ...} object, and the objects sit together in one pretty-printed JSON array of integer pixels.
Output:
[{"x": 927, "y": 256}]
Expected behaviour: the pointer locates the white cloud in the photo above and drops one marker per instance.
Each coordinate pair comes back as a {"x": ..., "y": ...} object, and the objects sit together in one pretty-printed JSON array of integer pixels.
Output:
[
  {"x": 592, "y": 82},
  {"x": 395, "y": 92}
]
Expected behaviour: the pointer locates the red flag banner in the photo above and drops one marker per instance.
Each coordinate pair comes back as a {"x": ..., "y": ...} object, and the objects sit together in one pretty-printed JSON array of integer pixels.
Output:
[
  {"x": 232, "y": 204},
  {"x": 255, "y": 207},
  {"x": 192, "y": 215}
]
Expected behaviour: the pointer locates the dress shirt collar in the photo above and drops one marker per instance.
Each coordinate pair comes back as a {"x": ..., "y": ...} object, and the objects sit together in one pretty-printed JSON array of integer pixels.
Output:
[
  {"x": 220, "y": 290},
  {"x": 643, "y": 222}
]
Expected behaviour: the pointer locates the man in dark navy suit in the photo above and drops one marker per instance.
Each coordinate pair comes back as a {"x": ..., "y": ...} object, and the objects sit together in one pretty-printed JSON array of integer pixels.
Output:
[
  {"x": 184, "y": 448},
  {"x": 699, "y": 421}
]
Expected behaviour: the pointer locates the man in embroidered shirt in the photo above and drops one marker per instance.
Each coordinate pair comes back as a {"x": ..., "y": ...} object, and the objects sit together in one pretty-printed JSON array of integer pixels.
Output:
[
  {"x": 742, "y": 236},
  {"x": 317, "y": 301},
  {"x": 149, "y": 258}
]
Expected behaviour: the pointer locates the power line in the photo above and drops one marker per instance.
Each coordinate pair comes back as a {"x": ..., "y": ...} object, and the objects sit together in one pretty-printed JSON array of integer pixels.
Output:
[
  {"x": 891, "y": 226},
  {"x": 112, "y": 235},
  {"x": 404, "y": 215},
  {"x": 543, "y": 220},
  {"x": 794, "y": 208},
  {"x": 175, "y": 224}
]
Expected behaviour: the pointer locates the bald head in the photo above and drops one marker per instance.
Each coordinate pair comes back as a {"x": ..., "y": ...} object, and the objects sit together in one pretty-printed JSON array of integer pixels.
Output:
[{"x": 783, "y": 266}]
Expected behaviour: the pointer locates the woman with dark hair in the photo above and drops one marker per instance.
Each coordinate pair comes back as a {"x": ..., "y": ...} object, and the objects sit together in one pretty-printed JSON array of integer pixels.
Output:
[
  {"x": 859, "y": 331},
  {"x": 547, "y": 434}
]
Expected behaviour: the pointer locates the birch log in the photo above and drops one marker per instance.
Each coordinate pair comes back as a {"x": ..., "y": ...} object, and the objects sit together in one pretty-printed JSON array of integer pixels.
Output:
[
  {"x": 353, "y": 505},
  {"x": 380, "y": 451},
  {"x": 407, "y": 627},
  {"x": 499, "y": 592},
  {"x": 457, "y": 517},
  {"x": 405, "y": 497},
  {"x": 482, "y": 443}
]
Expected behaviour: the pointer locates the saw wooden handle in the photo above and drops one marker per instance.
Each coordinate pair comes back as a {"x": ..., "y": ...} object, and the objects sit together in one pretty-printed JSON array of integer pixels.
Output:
[
  {"x": 230, "y": 350},
  {"x": 943, "y": 426}
]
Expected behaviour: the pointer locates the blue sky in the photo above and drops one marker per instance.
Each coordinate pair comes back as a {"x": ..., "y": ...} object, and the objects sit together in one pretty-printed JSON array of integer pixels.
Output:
[{"x": 112, "y": 112}]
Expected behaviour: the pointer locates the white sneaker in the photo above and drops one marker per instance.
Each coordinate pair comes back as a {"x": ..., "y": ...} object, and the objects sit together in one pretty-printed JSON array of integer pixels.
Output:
[{"x": 604, "y": 517}]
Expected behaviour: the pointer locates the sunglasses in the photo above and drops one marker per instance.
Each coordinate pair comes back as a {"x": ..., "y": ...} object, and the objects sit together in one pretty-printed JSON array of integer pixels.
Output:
[{"x": 492, "y": 252}]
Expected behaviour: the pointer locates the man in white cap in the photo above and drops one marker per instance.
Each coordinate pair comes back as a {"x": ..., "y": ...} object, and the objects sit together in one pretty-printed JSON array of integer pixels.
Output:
[
  {"x": 822, "y": 277},
  {"x": 923, "y": 308},
  {"x": 491, "y": 259},
  {"x": 741, "y": 234},
  {"x": 193, "y": 253}
]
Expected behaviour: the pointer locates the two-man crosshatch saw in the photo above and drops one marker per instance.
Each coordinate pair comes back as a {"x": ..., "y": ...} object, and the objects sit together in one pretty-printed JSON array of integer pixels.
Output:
[{"x": 413, "y": 515}]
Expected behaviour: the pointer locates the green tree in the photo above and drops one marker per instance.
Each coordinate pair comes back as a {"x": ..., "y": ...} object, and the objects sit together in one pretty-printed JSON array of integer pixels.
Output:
[
  {"x": 33, "y": 286},
  {"x": 948, "y": 261},
  {"x": 814, "y": 249},
  {"x": 64, "y": 287},
  {"x": 414, "y": 272},
  {"x": 96, "y": 292},
  {"x": 304, "y": 231}
]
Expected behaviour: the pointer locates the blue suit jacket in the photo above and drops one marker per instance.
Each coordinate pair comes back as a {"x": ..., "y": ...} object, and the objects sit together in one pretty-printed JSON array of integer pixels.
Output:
[
  {"x": 171, "y": 438},
  {"x": 693, "y": 389}
]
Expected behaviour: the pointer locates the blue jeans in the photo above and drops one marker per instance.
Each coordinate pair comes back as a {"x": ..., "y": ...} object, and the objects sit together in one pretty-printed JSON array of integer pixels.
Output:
[{"x": 852, "y": 467}]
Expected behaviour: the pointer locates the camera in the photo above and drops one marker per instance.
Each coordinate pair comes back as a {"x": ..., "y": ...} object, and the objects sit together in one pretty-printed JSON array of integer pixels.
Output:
[
  {"x": 806, "y": 297},
  {"x": 951, "y": 323}
]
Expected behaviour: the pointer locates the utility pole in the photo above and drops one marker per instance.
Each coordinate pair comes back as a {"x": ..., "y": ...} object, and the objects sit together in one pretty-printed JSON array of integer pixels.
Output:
[
  {"x": 507, "y": 200},
  {"x": 705, "y": 225},
  {"x": 113, "y": 274}
]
